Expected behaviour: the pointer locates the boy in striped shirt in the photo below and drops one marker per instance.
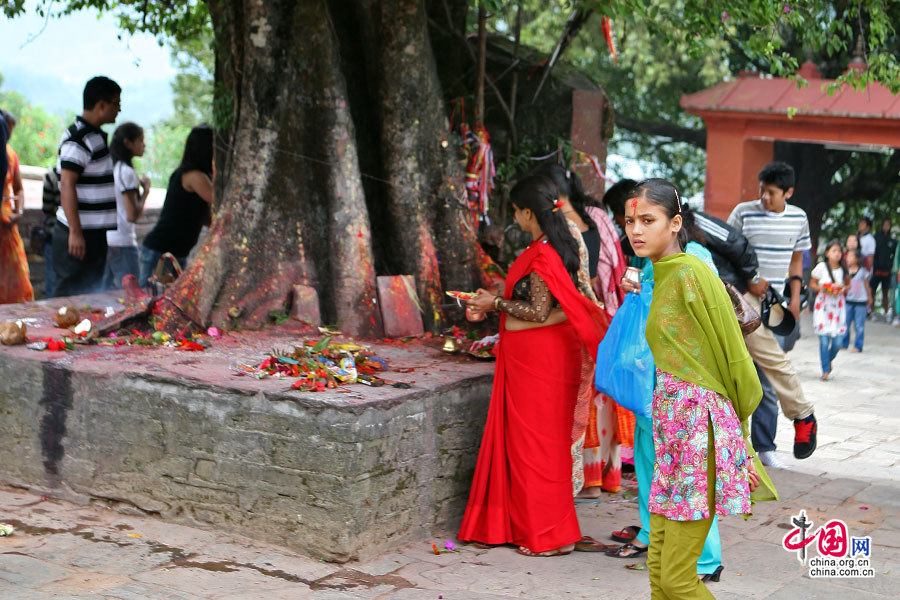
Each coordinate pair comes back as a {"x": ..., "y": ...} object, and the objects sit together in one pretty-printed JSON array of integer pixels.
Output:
[
  {"x": 87, "y": 196},
  {"x": 779, "y": 233}
]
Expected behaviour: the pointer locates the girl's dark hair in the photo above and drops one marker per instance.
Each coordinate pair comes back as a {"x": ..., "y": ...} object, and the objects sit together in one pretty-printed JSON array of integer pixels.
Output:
[
  {"x": 663, "y": 194},
  {"x": 689, "y": 225},
  {"x": 117, "y": 148},
  {"x": 198, "y": 150},
  {"x": 569, "y": 184},
  {"x": 841, "y": 263},
  {"x": 539, "y": 194},
  {"x": 8, "y": 117}
]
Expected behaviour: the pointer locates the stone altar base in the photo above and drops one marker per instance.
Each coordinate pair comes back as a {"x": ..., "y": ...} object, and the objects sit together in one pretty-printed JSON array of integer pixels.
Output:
[{"x": 338, "y": 475}]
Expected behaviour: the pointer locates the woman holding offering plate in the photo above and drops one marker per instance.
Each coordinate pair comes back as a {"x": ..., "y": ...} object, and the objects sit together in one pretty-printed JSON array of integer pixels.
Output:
[{"x": 522, "y": 492}]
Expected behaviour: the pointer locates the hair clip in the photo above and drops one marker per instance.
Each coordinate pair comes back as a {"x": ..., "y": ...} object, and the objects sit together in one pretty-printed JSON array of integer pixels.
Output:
[
  {"x": 568, "y": 174},
  {"x": 677, "y": 199},
  {"x": 557, "y": 205}
]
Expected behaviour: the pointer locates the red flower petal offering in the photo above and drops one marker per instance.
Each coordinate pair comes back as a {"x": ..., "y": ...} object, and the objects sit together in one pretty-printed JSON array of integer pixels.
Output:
[{"x": 460, "y": 295}]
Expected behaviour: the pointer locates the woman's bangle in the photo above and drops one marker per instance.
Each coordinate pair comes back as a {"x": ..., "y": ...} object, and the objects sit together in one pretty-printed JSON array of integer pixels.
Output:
[
  {"x": 496, "y": 303},
  {"x": 751, "y": 456}
]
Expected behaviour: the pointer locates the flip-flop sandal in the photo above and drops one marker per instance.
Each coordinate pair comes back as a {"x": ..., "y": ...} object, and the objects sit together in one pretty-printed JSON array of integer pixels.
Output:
[
  {"x": 626, "y": 535},
  {"x": 589, "y": 544},
  {"x": 589, "y": 500},
  {"x": 526, "y": 552},
  {"x": 617, "y": 553}
]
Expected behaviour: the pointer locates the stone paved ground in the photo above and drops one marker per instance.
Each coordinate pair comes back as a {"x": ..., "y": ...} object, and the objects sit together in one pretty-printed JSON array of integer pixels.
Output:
[{"x": 64, "y": 551}]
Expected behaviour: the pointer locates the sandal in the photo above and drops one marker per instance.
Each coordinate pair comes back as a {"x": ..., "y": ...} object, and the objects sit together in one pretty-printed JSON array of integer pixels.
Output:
[
  {"x": 617, "y": 553},
  {"x": 589, "y": 544},
  {"x": 626, "y": 535},
  {"x": 714, "y": 576},
  {"x": 555, "y": 552}
]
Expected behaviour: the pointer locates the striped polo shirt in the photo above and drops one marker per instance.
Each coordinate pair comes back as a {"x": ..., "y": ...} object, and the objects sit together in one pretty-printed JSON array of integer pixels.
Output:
[
  {"x": 83, "y": 150},
  {"x": 774, "y": 237}
]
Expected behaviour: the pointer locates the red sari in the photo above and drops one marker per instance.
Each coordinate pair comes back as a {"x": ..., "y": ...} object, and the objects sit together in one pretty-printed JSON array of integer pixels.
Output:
[
  {"x": 522, "y": 489},
  {"x": 15, "y": 284}
]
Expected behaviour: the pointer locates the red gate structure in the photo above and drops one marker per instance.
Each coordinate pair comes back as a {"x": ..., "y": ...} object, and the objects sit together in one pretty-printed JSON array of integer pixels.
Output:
[{"x": 745, "y": 117}]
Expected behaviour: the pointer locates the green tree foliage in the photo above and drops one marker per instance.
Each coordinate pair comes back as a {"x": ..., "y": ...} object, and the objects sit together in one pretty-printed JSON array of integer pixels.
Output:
[
  {"x": 194, "y": 59},
  {"x": 192, "y": 89},
  {"x": 668, "y": 48},
  {"x": 37, "y": 131}
]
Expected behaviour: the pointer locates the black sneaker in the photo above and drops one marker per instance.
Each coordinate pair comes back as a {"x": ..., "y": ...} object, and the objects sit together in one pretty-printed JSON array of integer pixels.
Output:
[{"x": 805, "y": 436}]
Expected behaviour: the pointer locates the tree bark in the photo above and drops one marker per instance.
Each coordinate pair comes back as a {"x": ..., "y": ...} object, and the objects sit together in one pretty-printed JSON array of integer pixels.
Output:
[
  {"x": 336, "y": 122},
  {"x": 677, "y": 133},
  {"x": 417, "y": 156},
  {"x": 292, "y": 208}
]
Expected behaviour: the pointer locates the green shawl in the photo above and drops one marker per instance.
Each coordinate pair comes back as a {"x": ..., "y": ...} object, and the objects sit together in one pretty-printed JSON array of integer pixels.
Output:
[{"x": 694, "y": 335}]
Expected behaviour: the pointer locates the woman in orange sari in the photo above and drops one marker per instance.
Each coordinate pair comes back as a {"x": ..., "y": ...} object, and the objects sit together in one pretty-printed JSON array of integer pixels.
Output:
[
  {"x": 522, "y": 492},
  {"x": 15, "y": 285}
]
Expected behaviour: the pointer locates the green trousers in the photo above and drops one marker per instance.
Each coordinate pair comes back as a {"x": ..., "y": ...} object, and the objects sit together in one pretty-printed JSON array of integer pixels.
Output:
[{"x": 675, "y": 547}]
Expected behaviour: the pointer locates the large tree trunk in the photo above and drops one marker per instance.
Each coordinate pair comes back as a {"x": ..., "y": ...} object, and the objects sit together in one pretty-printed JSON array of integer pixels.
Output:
[{"x": 292, "y": 207}]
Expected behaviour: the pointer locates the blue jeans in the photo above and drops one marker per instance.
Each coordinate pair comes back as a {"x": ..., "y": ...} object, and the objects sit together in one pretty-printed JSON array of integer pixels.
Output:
[
  {"x": 49, "y": 275},
  {"x": 644, "y": 459},
  {"x": 764, "y": 423},
  {"x": 828, "y": 349},
  {"x": 856, "y": 316},
  {"x": 149, "y": 260},
  {"x": 120, "y": 261}
]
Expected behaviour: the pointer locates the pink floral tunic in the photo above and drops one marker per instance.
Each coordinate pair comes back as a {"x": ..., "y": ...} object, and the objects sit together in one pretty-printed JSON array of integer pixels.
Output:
[{"x": 681, "y": 415}]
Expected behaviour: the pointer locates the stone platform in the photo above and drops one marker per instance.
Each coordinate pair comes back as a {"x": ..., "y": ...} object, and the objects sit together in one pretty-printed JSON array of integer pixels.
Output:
[{"x": 338, "y": 475}]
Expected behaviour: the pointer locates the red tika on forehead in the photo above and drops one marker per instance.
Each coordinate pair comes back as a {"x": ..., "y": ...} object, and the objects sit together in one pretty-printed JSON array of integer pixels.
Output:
[{"x": 634, "y": 204}]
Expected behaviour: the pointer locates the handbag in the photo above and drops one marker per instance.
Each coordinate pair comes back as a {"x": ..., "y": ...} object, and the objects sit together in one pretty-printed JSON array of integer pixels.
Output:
[
  {"x": 747, "y": 316},
  {"x": 625, "y": 369},
  {"x": 163, "y": 277}
]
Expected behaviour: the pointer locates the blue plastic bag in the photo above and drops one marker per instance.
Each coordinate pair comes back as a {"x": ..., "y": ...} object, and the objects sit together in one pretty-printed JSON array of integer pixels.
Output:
[{"x": 625, "y": 370}]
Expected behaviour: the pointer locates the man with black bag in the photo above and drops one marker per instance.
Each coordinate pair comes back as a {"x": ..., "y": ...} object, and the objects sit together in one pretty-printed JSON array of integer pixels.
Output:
[{"x": 779, "y": 233}]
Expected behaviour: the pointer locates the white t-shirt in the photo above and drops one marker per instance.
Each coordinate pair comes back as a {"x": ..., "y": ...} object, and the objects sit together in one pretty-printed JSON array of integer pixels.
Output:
[
  {"x": 820, "y": 272},
  {"x": 774, "y": 236},
  {"x": 126, "y": 180},
  {"x": 867, "y": 244}
]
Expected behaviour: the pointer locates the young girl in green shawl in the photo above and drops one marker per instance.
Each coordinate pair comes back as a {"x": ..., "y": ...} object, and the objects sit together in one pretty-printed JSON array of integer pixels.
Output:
[{"x": 706, "y": 389}]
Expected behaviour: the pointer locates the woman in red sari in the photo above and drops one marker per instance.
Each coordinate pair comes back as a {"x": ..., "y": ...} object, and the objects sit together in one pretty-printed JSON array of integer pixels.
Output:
[{"x": 522, "y": 492}]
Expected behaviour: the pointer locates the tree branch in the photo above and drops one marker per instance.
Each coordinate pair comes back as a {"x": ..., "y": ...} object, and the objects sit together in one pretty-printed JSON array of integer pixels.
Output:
[
  {"x": 462, "y": 38},
  {"x": 865, "y": 185},
  {"x": 695, "y": 137},
  {"x": 576, "y": 21}
]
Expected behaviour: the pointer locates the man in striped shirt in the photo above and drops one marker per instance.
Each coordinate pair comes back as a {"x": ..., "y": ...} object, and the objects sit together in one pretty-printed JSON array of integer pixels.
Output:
[
  {"x": 87, "y": 196},
  {"x": 779, "y": 233}
]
